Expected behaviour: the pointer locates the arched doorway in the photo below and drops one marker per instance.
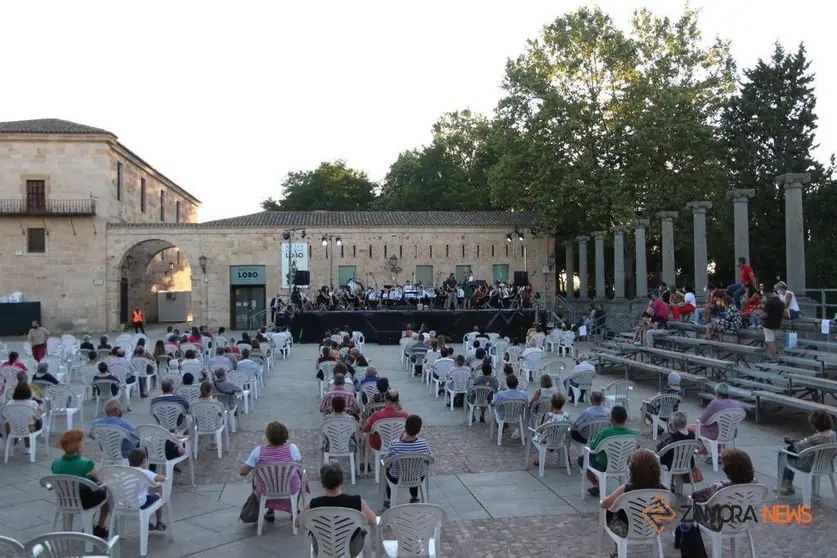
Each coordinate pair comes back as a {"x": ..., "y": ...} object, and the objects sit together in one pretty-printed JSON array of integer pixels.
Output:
[{"x": 155, "y": 276}]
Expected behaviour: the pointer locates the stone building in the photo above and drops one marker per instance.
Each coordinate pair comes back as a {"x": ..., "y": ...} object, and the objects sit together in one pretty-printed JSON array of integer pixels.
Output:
[
  {"x": 90, "y": 230},
  {"x": 61, "y": 184}
]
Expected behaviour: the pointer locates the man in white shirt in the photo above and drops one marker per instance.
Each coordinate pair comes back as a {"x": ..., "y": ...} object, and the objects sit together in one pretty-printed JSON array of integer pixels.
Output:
[{"x": 583, "y": 366}]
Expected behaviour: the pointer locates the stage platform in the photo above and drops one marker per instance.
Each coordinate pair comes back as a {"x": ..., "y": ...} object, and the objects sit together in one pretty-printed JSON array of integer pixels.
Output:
[{"x": 385, "y": 326}]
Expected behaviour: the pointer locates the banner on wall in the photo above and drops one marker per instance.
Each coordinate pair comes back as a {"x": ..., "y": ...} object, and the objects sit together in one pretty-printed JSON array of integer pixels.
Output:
[{"x": 298, "y": 260}]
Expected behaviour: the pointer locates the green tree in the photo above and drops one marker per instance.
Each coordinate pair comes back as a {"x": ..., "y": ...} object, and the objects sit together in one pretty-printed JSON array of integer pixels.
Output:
[
  {"x": 331, "y": 186},
  {"x": 769, "y": 129},
  {"x": 449, "y": 174}
]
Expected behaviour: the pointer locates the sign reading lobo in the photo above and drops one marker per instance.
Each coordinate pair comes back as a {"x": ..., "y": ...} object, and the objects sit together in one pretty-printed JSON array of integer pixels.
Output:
[
  {"x": 294, "y": 258},
  {"x": 247, "y": 275}
]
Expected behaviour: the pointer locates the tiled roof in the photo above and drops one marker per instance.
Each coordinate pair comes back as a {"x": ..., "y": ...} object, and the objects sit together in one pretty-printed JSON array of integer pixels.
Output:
[
  {"x": 281, "y": 219},
  {"x": 48, "y": 126}
]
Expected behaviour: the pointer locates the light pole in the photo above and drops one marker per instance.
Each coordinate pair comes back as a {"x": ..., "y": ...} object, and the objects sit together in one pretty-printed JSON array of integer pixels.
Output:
[
  {"x": 202, "y": 261},
  {"x": 326, "y": 240}
]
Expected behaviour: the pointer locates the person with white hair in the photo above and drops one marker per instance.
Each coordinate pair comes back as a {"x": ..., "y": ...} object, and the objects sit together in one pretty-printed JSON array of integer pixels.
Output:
[
  {"x": 672, "y": 387},
  {"x": 221, "y": 384},
  {"x": 720, "y": 403},
  {"x": 42, "y": 374},
  {"x": 87, "y": 344},
  {"x": 582, "y": 366},
  {"x": 113, "y": 417}
]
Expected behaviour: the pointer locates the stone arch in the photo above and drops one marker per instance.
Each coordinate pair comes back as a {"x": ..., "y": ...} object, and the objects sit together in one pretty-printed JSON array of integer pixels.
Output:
[{"x": 146, "y": 267}]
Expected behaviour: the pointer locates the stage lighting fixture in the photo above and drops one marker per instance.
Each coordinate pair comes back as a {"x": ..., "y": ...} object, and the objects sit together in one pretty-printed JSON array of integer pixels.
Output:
[{"x": 325, "y": 241}]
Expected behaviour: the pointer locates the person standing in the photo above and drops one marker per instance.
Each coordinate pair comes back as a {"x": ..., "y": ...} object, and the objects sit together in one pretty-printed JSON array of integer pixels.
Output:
[
  {"x": 275, "y": 305},
  {"x": 736, "y": 290},
  {"x": 774, "y": 310},
  {"x": 37, "y": 337},
  {"x": 139, "y": 320},
  {"x": 451, "y": 287}
]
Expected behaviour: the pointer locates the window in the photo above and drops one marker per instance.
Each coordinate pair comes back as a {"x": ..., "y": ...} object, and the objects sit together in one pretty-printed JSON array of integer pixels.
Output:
[
  {"x": 341, "y": 251},
  {"x": 309, "y": 251},
  {"x": 507, "y": 250},
  {"x": 447, "y": 250},
  {"x": 177, "y": 212},
  {"x": 163, "y": 206},
  {"x": 431, "y": 250},
  {"x": 385, "y": 251},
  {"x": 142, "y": 195},
  {"x": 36, "y": 241},
  {"x": 370, "y": 250},
  {"x": 492, "y": 250},
  {"x": 424, "y": 275},
  {"x": 119, "y": 181},
  {"x": 478, "y": 250},
  {"x": 326, "y": 251},
  {"x": 400, "y": 250},
  {"x": 500, "y": 272},
  {"x": 354, "y": 251},
  {"x": 522, "y": 250},
  {"x": 463, "y": 250},
  {"x": 415, "y": 251},
  {"x": 35, "y": 195}
]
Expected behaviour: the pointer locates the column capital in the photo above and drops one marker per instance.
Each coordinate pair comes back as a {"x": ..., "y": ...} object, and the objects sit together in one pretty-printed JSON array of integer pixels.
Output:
[
  {"x": 741, "y": 195},
  {"x": 699, "y": 206},
  {"x": 667, "y": 215},
  {"x": 582, "y": 239},
  {"x": 618, "y": 230},
  {"x": 568, "y": 243},
  {"x": 599, "y": 234},
  {"x": 640, "y": 223},
  {"x": 793, "y": 179}
]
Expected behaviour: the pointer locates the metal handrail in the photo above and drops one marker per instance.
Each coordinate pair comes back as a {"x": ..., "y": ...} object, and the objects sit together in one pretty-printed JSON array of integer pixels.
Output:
[
  {"x": 257, "y": 317},
  {"x": 823, "y": 306},
  {"x": 45, "y": 207},
  {"x": 562, "y": 302}
]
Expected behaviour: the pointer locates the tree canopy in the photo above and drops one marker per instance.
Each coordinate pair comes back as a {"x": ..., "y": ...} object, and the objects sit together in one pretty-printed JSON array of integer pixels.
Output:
[{"x": 331, "y": 186}]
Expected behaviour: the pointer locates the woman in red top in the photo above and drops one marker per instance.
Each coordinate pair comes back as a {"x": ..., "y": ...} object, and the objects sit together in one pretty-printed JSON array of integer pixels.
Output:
[{"x": 752, "y": 298}]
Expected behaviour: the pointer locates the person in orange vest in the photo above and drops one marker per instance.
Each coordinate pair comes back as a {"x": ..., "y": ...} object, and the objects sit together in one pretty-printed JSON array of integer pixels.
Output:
[{"x": 139, "y": 318}]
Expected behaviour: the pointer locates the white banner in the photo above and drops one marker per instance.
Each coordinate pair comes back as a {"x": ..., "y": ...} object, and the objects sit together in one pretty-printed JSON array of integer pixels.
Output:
[{"x": 298, "y": 261}]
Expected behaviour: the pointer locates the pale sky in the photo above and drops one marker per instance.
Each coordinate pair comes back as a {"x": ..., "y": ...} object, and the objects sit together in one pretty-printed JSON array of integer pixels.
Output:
[{"x": 226, "y": 98}]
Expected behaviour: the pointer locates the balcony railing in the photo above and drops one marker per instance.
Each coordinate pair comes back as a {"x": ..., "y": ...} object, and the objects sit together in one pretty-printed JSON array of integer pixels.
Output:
[{"x": 47, "y": 208}]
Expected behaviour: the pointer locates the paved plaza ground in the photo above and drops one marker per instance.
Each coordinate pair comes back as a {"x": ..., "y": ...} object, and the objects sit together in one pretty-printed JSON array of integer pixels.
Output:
[{"x": 496, "y": 506}]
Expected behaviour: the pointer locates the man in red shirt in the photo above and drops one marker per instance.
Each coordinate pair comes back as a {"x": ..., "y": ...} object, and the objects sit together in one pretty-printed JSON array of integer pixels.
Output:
[
  {"x": 392, "y": 409},
  {"x": 736, "y": 290}
]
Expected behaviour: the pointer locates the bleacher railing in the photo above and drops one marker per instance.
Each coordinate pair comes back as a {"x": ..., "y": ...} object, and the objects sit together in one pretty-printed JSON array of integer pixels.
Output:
[{"x": 826, "y": 301}]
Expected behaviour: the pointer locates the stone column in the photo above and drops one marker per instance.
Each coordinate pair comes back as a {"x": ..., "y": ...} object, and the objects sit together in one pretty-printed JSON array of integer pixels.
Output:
[
  {"x": 668, "y": 246},
  {"x": 619, "y": 262},
  {"x": 583, "y": 291},
  {"x": 568, "y": 268},
  {"x": 794, "y": 230},
  {"x": 699, "y": 209},
  {"x": 599, "y": 236},
  {"x": 641, "y": 265},
  {"x": 741, "y": 217}
]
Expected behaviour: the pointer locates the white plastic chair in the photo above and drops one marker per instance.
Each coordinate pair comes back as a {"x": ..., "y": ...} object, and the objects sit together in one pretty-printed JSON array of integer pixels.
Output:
[
  {"x": 332, "y": 529},
  {"x": 403, "y": 344},
  {"x": 617, "y": 393},
  {"x": 141, "y": 365},
  {"x": 12, "y": 548},
  {"x": 553, "y": 341},
  {"x": 327, "y": 368},
  {"x": 822, "y": 465},
  {"x": 339, "y": 432},
  {"x": 62, "y": 403},
  {"x": 567, "y": 345},
  {"x": 417, "y": 529},
  {"x": 666, "y": 404},
  {"x": 728, "y": 421},
  {"x": 481, "y": 397},
  {"x": 192, "y": 368},
  {"x": 153, "y": 438},
  {"x": 388, "y": 430},
  {"x": 457, "y": 384},
  {"x": 590, "y": 430},
  {"x": 190, "y": 393},
  {"x": 109, "y": 437},
  {"x": 497, "y": 350},
  {"x": 210, "y": 420},
  {"x": 641, "y": 531},
  {"x": 584, "y": 384},
  {"x": 272, "y": 481},
  {"x": 530, "y": 364},
  {"x": 369, "y": 389},
  {"x": 70, "y": 545},
  {"x": 683, "y": 454},
  {"x": 245, "y": 383},
  {"x": 554, "y": 436},
  {"x": 537, "y": 410},
  {"x": 411, "y": 468},
  {"x": 618, "y": 450},
  {"x": 175, "y": 379},
  {"x": 738, "y": 496},
  {"x": 514, "y": 412},
  {"x": 66, "y": 489},
  {"x": 441, "y": 368},
  {"x": 105, "y": 387},
  {"x": 19, "y": 418},
  {"x": 88, "y": 374},
  {"x": 124, "y": 484},
  {"x": 360, "y": 341},
  {"x": 57, "y": 366}
]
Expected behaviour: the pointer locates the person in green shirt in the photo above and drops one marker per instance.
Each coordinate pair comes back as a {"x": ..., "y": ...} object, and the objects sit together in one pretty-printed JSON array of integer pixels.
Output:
[
  {"x": 618, "y": 418},
  {"x": 75, "y": 464}
]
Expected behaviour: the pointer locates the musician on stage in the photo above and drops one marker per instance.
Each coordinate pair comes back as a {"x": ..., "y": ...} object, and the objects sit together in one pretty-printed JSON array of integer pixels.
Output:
[
  {"x": 451, "y": 288},
  {"x": 480, "y": 296},
  {"x": 296, "y": 297},
  {"x": 468, "y": 294}
]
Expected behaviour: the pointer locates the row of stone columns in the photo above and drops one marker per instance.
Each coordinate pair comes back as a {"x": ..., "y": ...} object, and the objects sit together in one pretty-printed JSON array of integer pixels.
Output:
[{"x": 794, "y": 238}]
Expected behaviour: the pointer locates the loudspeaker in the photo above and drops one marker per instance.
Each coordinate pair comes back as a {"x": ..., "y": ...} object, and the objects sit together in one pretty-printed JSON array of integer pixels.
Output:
[
  {"x": 302, "y": 278},
  {"x": 521, "y": 278}
]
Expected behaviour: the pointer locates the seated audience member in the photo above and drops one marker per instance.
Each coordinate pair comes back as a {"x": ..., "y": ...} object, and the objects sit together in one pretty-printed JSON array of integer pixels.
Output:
[
  {"x": 685, "y": 305},
  {"x": 104, "y": 374},
  {"x": 75, "y": 464},
  {"x": 739, "y": 470},
  {"x": 729, "y": 322},
  {"x": 643, "y": 474},
  {"x": 583, "y": 366},
  {"x": 672, "y": 387},
  {"x": 247, "y": 366},
  {"x": 720, "y": 403},
  {"x": 138, "y": 460},
  {"x": 331, "y": 476},
  {"x": 221, "y": 384},
  {"x": 113, "y": 417},
  {"x": 188, "y": 379},
  {"x": 392, "y": 409},
  {"x": 658, "y": 309},
  {"x": 325, "y": 356},
  {"x": 383, "y": 387},
  {"x": 22, "y": 397},
  {"x": 103, "y": 343},
  {"x": 14, "y": 360},
  {"x": 409, "y": 443},
  {"x": 545, "y": 389},
  {"x": 555, "y": 414},
  {"x": 751, "y": 313},
  {"x": 823, "y": 434},
  {"x": 339, "y": 389},
  {"x": 191, "y": 358},
  {"x": 618, "y": 418},
  {"x": 168, "y": 396},
  {"x": 678, "y": 431},
  {"x": 510, "y": 394},
  {"x": 222, "y": 358},
  {"x": 87, "y": 344},
  {"x": 487, "y": 378},
  {"x": 337, "y": 409},
  {"x": 639, "y": 334},
  {"x": 370, "y": 376},
  {"x": 42, "y": 374}
]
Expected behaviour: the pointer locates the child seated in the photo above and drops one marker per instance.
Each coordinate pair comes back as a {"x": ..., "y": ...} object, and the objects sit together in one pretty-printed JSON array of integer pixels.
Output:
[{"x": 139, "y": 461}]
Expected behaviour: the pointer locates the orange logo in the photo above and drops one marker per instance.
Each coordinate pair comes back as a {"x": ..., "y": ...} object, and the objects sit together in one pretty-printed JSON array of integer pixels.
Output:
[{"x": 659, "y": 512}]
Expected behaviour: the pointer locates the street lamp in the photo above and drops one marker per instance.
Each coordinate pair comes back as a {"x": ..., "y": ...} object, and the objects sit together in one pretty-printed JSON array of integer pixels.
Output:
[
  {"x": 325, "y": 240},
  {"x": 202, "y": 262},
  {"x": 508, "y": 237},
  {"x": 339, "y": 240}
]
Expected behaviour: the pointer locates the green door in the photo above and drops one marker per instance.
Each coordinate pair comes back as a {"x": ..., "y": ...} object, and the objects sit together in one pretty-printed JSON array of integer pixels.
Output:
[
  {"x": 500, "y": 272},
  {"x": 424, "y": 275},
  {"x": 346, "y": 272},
  {"x": 462, "y": 272}
]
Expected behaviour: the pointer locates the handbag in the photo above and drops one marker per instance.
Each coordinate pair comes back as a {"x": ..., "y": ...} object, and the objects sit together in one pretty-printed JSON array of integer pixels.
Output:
[
  {"x": 697, "y": 475},
  {"x": 688, "y": 539},
  {"x": 250, "y": 509}
]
